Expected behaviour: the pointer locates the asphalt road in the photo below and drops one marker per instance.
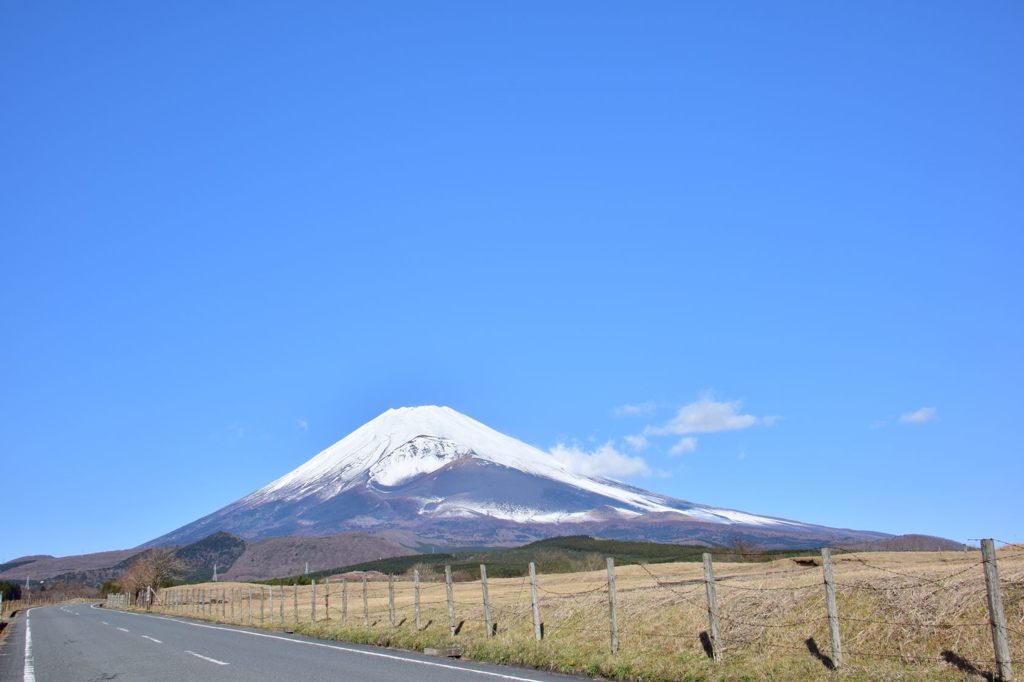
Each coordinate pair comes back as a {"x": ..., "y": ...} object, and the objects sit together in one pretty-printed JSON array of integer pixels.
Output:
[{"x": 83, "y": 642}]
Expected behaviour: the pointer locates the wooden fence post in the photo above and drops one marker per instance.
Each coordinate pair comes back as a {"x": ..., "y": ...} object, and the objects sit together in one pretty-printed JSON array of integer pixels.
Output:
[
  {"x": 391, "y": 599},
  {"x": 709, "y": 587},
  {"x": 416, "y": 594},
  {"x": 366, "y": 604},
  {"x": 538, "y": 632},
  {"x": 295, "y": 601},
  {"x": 488, "y": 627},
  {"x": 327, "y": 598},
  {"x": 248, "y": 599},
  {"x": 613, "y": 607},
  {"x": 344, "y": 602},
  {"x": 280, "y": 601},
  {"x": 262, "y": 602},
  {"x": 451, "y": 598},
  {"x": 997, "y": 618},
  {"x": 833, "y": 612},
  {"x": 271, "y": 605},
  {"x": 312, "y": 601}
]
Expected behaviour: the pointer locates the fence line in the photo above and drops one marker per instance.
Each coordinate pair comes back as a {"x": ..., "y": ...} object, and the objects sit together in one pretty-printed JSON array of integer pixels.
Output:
[{"x": 758, "y": 610}]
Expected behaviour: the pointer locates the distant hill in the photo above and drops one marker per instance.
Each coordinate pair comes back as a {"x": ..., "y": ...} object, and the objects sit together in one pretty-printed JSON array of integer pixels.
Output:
[
  {"x": 552, "y": 555},
  {"x": 220, "y": 550},
  {"x": 907, "y": 543},
  {"x": 235, "y": 558},
  {"x": 288, "y": 556},
  {"x": 48, "y": 567}
]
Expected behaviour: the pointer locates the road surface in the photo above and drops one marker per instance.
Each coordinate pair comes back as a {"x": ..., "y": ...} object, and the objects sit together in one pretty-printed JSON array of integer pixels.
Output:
[{"x": 83, "y": 642}]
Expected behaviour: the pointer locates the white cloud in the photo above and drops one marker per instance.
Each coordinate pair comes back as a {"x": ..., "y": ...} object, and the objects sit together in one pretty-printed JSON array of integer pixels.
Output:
[
  {"x": 302, "y": 424},
  {"x": 634, "y": 410},
  {"x": 921, "y": 416},
  {"x": 637, "y": 442},
  {"x": 708, "y": 415},
  {"x": 688, "y": 444},
  {"x": 605, "y": 461}
]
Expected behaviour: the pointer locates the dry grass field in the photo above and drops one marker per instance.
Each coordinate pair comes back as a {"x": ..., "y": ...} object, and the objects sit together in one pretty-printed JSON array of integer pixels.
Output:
[{"x": 904, "y": 616}]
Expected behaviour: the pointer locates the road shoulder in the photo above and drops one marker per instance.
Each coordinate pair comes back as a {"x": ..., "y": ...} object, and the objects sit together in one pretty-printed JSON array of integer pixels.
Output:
[{"x": 12, "y": 649}]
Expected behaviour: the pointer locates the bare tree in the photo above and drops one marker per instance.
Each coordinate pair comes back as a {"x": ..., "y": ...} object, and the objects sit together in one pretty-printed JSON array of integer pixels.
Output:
[{"x": 152, "y": 569}]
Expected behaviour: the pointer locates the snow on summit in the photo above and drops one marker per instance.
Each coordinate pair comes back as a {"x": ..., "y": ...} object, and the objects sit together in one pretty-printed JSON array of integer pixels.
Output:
[
  {"x": 404, "y": 443},
  {"x": 408, "y": 441},
  {"x": 435, "y": 474}
]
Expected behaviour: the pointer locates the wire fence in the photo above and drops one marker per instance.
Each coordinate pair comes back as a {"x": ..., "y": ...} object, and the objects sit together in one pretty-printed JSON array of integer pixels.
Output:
[{"x": 908, "y": 609}]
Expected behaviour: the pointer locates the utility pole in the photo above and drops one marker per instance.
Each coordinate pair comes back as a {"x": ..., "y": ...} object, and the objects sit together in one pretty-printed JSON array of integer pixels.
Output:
[
  {"x": 215, "y": 573},
  {"x": 307, "y": 568}
]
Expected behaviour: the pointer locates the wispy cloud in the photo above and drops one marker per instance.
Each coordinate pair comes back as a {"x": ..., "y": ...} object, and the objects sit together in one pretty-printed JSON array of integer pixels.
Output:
[
  {"x": 686, "y": 445},
  {"x": 637, "y": 442},
  {"x": 606, "y": 461},
  {"x": 302, "y": 424},
  {"x": 634, "y": 410},
  {"x": 708, "y": 415},
  {"x": 921, "y": 416}
]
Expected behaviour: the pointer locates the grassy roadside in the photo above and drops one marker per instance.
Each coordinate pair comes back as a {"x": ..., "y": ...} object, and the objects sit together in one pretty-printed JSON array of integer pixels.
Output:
[{"x": 905, "y": 616}]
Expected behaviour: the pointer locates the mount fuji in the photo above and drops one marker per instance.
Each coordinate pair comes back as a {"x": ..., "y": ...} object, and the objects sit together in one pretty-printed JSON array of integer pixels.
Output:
[{"x": 431, "y": 475}]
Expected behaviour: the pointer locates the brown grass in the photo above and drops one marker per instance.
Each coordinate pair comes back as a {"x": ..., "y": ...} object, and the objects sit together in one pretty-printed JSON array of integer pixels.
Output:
[{"x": 904, "y": 616}]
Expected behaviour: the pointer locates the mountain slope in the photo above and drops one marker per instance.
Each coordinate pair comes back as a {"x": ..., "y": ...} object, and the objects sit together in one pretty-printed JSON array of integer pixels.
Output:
[
  {"x": 234, "y": 558},
  {"x": 449, "y": 479}
]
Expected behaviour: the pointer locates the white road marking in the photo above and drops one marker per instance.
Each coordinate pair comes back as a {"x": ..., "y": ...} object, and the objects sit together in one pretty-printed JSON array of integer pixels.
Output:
[
  {"x": 30, "y": 666},
  {"x": 207, "y": 658},
  {"x": 152, "y": 639},
  {"x": 124, "y": 629},
  {"x": 105, "y": 622},
  {"x": 323, "y": 645}
]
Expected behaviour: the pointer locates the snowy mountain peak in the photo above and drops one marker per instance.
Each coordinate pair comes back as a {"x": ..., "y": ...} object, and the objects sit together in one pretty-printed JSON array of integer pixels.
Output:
[
  {"x": 442, "y": 475},
  {"x": 421, "y": 455},
  {"x": 406, "y": 442}
]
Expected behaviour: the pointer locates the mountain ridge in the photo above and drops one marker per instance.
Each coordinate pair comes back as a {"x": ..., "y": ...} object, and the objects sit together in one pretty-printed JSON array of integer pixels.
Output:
[{"x": 448, "y": 479}]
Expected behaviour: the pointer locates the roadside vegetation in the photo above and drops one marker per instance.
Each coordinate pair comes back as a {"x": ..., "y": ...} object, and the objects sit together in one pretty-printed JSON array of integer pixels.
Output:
[{"x": 903, "y": 616}]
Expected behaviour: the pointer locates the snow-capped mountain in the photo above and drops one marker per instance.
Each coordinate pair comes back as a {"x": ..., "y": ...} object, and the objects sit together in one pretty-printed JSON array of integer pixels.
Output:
[{"x": 445, "y": 478}]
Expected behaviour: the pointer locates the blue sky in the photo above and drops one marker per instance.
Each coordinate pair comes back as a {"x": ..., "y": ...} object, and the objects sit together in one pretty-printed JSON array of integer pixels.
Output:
[{"x": 231, "y": 233}]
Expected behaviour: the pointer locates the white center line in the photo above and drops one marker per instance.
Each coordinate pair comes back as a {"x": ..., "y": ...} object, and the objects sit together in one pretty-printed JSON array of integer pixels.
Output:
[
  {"x": 207, "y": 658},
  {"x": 30, "y": 667},
  {"x": 124, "y": 629},
  {"x": 152, "y": 639}
]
